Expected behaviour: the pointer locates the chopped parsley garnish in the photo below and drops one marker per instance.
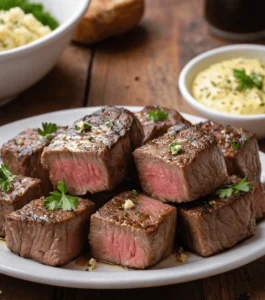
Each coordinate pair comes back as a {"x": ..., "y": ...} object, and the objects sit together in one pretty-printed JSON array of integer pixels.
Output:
[
  {"x": 138, "y": 214},
  {"x": 262, "y": 104},
  {"x": 134, "y": 192},
  {"x": 248, "y": 82},
  {"x": 214, "y": 83},
  {"x": 47, "y": 130},
  {"x": 2, "y": 21},
  {"x": 83, "y": 126},
  {"x": 228, "y": 81},
  {"x": 60, "y": 199},
  {"x": 126, "y": 214},
  {"x": 235, "y": 145},
  {"x": 175, "y": 148},
  {"x": 157, "y": 115},
  {"x": 212, "y": 202},
  {"x": 109, "y": 123},
  {"x": 36, "y": 9},
  {"x": 245, "y": 137},
  {"x": 6, "y": 178},
  {"x": 241, "y": 186}
]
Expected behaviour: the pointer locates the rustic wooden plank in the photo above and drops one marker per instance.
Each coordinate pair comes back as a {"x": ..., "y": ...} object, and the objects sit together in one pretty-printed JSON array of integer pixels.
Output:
[
  {"x": 243, "y": 281},
  {"x": 64, "y": 87},
  {"x": 193, "y": 290},
  {"x": 15, "y": 289}
]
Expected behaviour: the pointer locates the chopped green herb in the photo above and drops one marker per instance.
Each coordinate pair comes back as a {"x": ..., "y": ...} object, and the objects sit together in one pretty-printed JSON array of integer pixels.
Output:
[
  {"x": 2, "y": 21},
  {"x": 109, "y": 123},
  {"x": 245, "y": 137},
  {"x": 60, "y": 199},
  {"x": 248, "y": 82},
  {"x": 6, "y": 178},
  {"x": 5, "y": 45},
  {"x": 212, "y": 202},
  {"x": 134, "y": 192},
  {"x": 138, "y": 214},
  {"x": 36, "y": 9},
  {"x": 214, "y": 83},
  {"x": 126, "y": 214},
  {"x": 262, "y": 104},
  {"x": 235, "y": 145},
  {"x": 228, "y": 81},
  {"x": 90, "y": 139},
  {"x": 208, "y": 95},
  {"x": 175, "y": 148},
  {"x": 83, "y": 126},
  {"x": 171, "y": 134},
  {"x": 47, "y": 130},
  {"x": 157, "y": 115},
  {"x": 241, "y": 186}
]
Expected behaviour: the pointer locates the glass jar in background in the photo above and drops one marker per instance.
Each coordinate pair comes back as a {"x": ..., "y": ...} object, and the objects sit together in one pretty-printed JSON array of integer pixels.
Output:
[{"x": 238, "y": 20}]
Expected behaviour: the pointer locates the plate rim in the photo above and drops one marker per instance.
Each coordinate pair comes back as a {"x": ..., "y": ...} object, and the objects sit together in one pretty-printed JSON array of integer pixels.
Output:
[{"x": 140, "y": 278}]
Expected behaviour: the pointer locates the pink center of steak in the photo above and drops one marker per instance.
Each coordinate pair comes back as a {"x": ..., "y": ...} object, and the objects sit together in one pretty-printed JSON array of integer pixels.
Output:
[
  {"x": 77, "y": 173},
  {"x": 162, "y": 181}
]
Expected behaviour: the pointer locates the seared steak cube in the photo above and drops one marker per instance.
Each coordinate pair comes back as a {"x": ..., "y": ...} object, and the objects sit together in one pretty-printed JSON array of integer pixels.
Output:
[
  {"x": 50, "y": 237},
  {"x": 167, "y": 174},
  {"x": 259, "y": 201},
  {"x": 22, "y": 191},
  {"x": 96, "y": 152},
  {"x": 240, "y": 149},
  {"x": 134, "y": 231},
  {"x": 212, "y": 225},
  {"x": 23, "y": 156},
  {"x": 156, "y": 120}
]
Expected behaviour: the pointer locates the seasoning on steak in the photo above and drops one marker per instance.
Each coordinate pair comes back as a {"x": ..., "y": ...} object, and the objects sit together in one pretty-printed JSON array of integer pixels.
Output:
[
  {"x": 212, "y": 225},
  {"x": 23, "y": 156},
  {"x": 155, "y": 128},
  {"x": 259, "y": 201},
  {"x": 135, "y": 236},
  {"x": 22, "y": 191},
  {"x": 96, "y": 158},
  {"x": 240, "y": 149},
  {"x": 50, "y": 237},
  {"x": 197, "y": 170}
]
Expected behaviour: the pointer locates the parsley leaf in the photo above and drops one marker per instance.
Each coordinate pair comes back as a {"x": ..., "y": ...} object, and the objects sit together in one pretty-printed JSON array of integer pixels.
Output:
[
  {"x": 60, "y": 199},
  {"x": 248, "y": 82},
  {"x": 134, "y": 192},
  {"x": 241, "y": 186},
  {"x": 157, "y": 115},
  {"x": 6, "y": 178},
  {"x": 83, "y": 126},
  {"x": 47, "y": 129},
  {"x": 175, "y": 148},
  {"x": 235, "y": 145}
]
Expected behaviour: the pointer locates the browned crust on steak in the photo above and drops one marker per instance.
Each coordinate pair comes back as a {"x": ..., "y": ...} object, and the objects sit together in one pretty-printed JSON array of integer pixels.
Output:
[
  {"x": 23, "y": 190},
  {"x": 23, "y": 153},
  {"x": 152, "y": 129},
  {"x": 243, "y": 161},
  {"x": 113, "y": 212}
]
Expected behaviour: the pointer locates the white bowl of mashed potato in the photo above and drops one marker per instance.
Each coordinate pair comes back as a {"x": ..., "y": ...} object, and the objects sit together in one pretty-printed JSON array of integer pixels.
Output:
[
  {"x": 227, "y": 85},
  {"x": 29, "y": 49}
]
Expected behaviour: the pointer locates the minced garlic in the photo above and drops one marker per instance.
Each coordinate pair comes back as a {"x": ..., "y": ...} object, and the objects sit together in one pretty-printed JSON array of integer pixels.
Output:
[
  {"x": 128, "y": 204},
  {"x": 92, "y": 264}
]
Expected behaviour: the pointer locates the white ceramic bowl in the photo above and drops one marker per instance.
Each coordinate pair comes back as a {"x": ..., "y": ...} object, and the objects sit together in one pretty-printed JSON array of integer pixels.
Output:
[
  {"x": 21, "y": 67},
  {"x": 253, "y": 123}
]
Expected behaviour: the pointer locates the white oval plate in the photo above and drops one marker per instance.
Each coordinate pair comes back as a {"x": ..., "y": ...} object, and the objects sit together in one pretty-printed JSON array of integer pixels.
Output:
[{"x": 111, "y": 277}]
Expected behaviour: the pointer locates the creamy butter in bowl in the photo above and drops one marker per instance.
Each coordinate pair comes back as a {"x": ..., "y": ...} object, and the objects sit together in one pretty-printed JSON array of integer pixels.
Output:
[{"x": 227, "y": 85}]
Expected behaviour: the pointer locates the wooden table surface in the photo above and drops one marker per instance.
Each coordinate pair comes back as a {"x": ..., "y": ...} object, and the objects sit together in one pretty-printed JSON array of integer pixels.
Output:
[{"x": 141, "y": 67}]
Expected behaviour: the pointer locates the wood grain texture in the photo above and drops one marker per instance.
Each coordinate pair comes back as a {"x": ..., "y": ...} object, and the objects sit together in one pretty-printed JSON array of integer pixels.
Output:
[
  {"x": 15, "y": 289},
  {"x": 64, "y": 87}
]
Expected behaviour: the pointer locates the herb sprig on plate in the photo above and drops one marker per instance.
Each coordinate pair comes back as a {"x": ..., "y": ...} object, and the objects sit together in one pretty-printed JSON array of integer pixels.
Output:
[
  {"x": 175, "y": 148},
  {"x": 60, "y": 199},
  {"x": 157, "y": 115},
  {"x": 241, "y": 186},
  {"x": 47, "y": 130},
  {"x": 6, "y": 178}
]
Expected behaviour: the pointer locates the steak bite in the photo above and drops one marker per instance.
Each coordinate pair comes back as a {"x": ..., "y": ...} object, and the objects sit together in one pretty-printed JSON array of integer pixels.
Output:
[
  {"x": 23, "y": 156},
  {"x": 212, "y": 225},
  {"x": 180, "y": 167},
  {"x": 240, "y": 149},
  {"x": 50, "y": 237},
  {"x": 96, "y": 152},
  {"x": 133, "y": 230},
  {"x": 22, "y": 191},
  {"x": 259, "y": 201},
  {"x": 156, "y": 120}
]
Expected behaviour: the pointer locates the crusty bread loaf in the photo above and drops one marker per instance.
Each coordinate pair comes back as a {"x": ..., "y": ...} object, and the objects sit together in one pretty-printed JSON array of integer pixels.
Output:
[{"x": 106, "y": 18}]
